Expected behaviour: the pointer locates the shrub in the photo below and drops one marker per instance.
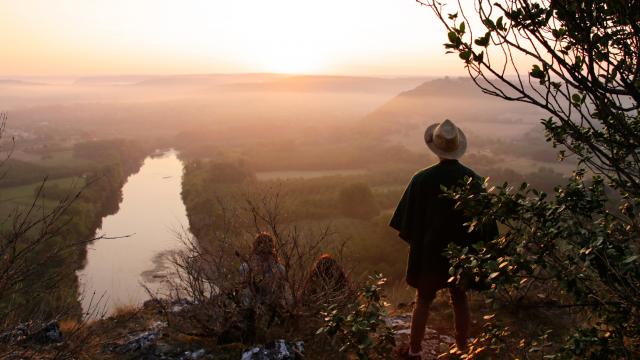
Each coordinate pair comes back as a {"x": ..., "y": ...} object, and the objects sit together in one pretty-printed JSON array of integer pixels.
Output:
[{"x": 360, "y": 328}]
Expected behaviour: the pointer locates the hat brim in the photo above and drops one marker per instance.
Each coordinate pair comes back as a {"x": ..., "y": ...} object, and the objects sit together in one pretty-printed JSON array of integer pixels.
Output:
[{"x": 456, "y": 154}]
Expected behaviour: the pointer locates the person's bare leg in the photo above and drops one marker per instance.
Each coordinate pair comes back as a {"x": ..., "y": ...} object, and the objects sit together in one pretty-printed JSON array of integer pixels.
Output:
[
  {"x": 424, "y": 298},
  {"x": 462, "y": 316}
]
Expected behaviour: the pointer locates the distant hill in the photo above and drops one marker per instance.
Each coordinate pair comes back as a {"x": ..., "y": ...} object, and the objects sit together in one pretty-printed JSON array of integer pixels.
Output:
[
  {"x": 251, "y": 82},
  {"x": 202, "y": 81},
  {"x": 113, "y": 80},
  {"x": 445, "y": 87},
  {"x": 199, "y": 80},
  {"x": 320, "y": 83},
  {"x": 19, "y": 82},
  {"x": 206, "y": 80},
  {"x": 407, "y": 114}
]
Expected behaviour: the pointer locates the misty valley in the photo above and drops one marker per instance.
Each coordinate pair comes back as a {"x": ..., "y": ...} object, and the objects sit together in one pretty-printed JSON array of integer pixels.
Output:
[
  {"x": 330, "y": 180},
  {"x": 337, "y": 151},
  {"x": 154, "y": 175}
]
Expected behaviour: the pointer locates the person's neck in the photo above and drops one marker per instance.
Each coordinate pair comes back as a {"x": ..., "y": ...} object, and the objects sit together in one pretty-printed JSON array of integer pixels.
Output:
[{"x": 445, "y": 161}]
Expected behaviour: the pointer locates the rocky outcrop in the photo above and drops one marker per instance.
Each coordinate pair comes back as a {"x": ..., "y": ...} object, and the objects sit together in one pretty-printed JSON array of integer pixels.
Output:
[
  {"x": 142, "y": 343},
  {"x": 150, "y": 344},
  {"x": 41, "y": 333},
  {"x": 433, "y": 343},
  {"x": 276, "y": 350}
]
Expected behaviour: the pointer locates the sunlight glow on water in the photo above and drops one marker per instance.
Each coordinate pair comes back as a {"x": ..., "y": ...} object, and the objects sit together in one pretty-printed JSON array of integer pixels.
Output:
[{"x": 151, "y": 212}]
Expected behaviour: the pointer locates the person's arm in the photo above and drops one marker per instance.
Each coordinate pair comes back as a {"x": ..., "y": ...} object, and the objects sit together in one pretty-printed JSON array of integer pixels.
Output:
[{"x": 401, "y": 219}]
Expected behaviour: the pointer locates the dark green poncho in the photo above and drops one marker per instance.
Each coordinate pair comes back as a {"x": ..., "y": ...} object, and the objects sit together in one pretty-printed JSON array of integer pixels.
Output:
[{"x": 429, "y": 222}]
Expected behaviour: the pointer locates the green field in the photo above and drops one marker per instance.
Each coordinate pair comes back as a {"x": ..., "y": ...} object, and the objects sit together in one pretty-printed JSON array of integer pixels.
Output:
[
  {"x": 58, "y": 158},
  {"x": 20, "y": 197}
]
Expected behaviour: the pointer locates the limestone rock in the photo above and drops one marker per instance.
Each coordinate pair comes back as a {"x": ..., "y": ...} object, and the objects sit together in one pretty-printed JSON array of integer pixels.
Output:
[
  {"x": 33, "y": 332},
  {"x": 144, "y": 342},
  {"x": 196, "y": 355},
  {"x": 15, "y": 335},
  {"x": 49, "y": 333},
  {"x": 433, "y": 342},
  {"x": 276, "y": 350}
]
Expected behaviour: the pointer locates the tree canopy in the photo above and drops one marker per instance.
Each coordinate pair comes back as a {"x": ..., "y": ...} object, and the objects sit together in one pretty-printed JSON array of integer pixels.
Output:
[
  {"x": 576, "y": 250},
  {"x": 578, "y": 60}
]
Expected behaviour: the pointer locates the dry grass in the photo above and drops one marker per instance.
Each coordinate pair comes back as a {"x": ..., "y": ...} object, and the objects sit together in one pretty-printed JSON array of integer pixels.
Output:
[
  {"x": 69, "y": 326},
  {"x": 124, "y": 310},
  {"x": 400, "y": 295}
]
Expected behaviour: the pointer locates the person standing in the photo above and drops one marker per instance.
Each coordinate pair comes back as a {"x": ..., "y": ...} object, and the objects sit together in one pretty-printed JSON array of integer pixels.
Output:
[{"x": 428, "y": 222}]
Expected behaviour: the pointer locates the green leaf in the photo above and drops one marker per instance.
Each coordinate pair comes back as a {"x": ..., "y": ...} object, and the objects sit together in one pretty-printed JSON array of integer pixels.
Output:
[
  {"x": 559, "y": 33},
  {"x": 537, "y": 72},
  {"x": 484, "y": 40},
  {"x": 489, "y": 24},
  {"x": 478, "y": 57},
  {"x": 500, "y": 25},
  {"x": 454, "y": 38},
  {"x": 576, "y": 98},
  {"x": 465, "y": 55}
]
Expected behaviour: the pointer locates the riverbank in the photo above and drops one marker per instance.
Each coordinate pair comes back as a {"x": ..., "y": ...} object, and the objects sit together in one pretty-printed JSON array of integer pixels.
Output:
[
  {"x": 150, "y": 219},
  {"x": 54, "y": 221}
]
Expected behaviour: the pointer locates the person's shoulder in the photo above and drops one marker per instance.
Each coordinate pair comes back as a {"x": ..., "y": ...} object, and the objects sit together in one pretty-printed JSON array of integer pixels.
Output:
[
  {"x": 467, "y": 170},
  {"x": 425, "y": 174}
]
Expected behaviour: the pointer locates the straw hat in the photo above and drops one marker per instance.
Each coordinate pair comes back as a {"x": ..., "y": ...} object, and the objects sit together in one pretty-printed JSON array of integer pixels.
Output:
[{"x": 446, "y": 140}]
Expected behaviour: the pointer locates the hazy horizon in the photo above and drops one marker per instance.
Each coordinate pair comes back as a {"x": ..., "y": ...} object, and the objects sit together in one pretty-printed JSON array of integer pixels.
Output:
[
  {"x": 92, "y": 38},
  {"x": 195, "y": 74},
  {"x": 311, "y": 96}
]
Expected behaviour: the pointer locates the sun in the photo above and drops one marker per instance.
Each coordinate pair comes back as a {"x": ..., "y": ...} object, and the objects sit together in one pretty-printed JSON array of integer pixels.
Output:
[
  {"x": 289, "y": 61},
  {"x": 287, "y": 46},
  {"x": 290, "y": 57}
]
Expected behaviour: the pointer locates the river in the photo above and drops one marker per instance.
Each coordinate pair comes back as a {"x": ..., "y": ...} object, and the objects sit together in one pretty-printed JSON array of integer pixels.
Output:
[{"x": 143, "y": 229}]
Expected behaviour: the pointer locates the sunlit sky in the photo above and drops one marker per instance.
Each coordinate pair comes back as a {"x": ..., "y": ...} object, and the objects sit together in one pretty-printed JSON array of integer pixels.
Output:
[{"x": 107, "y": 37}]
